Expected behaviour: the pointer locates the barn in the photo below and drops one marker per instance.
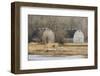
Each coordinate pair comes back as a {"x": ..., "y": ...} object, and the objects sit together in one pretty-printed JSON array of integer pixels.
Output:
[{"x": 48, "y": 36}]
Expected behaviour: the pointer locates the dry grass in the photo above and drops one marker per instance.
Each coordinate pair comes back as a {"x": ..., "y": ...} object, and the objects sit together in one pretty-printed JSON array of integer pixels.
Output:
[{"x": 54, "y": 49}]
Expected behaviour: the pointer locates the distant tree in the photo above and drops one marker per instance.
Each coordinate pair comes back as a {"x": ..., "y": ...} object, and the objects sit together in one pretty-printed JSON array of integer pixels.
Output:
[{"x": 60, "y": 34}]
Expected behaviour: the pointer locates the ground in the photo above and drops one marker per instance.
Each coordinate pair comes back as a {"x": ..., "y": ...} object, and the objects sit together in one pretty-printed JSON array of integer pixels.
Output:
[{"x": 55, "y": 49}]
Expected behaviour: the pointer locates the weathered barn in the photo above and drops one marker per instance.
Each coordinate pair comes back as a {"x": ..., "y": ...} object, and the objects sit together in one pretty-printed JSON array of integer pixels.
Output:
[{"x": 48, "y": 36}]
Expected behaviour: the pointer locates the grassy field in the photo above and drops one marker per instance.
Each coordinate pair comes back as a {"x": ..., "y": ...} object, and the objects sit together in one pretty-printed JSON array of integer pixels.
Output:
[{"x": 55, "y": 49}]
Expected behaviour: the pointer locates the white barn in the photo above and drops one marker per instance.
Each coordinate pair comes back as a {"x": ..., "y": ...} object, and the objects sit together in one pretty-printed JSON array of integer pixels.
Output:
[{"x": 78, "y": 37}]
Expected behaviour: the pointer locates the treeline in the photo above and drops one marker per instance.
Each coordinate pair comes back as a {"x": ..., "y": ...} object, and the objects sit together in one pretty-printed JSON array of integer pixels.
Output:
[{"x": 62, "y": 26}]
